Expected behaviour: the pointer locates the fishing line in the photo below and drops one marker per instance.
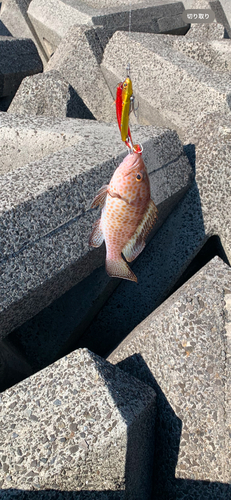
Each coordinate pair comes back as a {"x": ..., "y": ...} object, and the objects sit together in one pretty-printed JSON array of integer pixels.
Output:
[{"x": 129, "y": 34}]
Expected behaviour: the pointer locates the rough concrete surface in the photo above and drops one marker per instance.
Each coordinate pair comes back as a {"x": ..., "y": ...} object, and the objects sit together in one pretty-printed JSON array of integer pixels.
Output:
[
  {"x": 79, "y": 414},
  {"x": 76, "y": 60},
  {"x": 213, "y": 31},
  {"x": 216, "y": 54},
  {"x": 36, "y": 218},
  {"x": 52, "y": 19},
  {"x": 19, "y": 58},
  {"x": 48, "y": 94},
  {"x": 14, "y": 19},
  {"x": 182, "y": 349},
  {"x": 25, "y": 139},
  {"x": 171, "y": 88}
]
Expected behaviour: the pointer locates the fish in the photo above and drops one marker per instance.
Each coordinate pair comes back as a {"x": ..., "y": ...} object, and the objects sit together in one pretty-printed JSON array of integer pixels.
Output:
[{"x": 127, "y": 216}]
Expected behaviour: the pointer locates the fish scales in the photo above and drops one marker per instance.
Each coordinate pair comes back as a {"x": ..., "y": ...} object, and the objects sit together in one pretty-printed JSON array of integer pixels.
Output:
[{"x": 127, "y": 216}]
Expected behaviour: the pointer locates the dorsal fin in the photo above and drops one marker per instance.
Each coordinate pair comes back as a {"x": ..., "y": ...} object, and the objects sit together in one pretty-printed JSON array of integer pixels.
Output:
[
  {"x": 137, "y": 242},
  {"x": 100, "y": 198}
]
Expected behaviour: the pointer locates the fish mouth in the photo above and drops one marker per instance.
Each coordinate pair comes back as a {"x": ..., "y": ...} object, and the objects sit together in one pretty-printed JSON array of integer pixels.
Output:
[{"x": 133, "y": 167}]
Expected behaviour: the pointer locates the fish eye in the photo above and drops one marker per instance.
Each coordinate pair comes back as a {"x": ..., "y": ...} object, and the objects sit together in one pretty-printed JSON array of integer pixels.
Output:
[{"x": 139, "y": 177}]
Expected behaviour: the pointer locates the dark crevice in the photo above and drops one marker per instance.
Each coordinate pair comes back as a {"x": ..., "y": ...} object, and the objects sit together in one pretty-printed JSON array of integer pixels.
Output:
[{"x": 60, "y": 325}]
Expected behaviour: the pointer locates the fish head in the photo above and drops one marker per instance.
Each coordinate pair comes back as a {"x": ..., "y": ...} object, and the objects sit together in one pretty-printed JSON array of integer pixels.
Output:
[{"x": 130, "y": 180}]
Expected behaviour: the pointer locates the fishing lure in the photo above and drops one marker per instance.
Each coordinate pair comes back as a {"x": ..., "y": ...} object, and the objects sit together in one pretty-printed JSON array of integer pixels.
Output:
[
  {"x": 124, "y": 106},
  {"x": 125, "y": 132}
]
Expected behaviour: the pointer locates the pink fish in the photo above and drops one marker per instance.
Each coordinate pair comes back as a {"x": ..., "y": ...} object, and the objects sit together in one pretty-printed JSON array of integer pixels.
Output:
[{"x": 128, "y": 214}]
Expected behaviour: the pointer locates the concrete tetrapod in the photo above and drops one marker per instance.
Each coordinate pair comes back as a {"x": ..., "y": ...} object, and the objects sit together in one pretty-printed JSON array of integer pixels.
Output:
[
  {"x": 183, "y": 351},
  {"x": 80, "y": 425},
  {"x": 52, "y": 19}
]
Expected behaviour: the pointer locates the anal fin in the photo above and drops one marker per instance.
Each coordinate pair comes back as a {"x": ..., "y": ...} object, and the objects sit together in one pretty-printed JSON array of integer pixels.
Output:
[{"x": 96, "y": 237}]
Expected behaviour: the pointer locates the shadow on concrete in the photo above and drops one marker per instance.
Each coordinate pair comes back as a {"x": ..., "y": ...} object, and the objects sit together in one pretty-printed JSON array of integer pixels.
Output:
[
  {"x": 166, "y": 444},
  {"x": 3, "y": 29},
  {"x": 76, "y": 108},
  {"x": 13, "y": 494}
]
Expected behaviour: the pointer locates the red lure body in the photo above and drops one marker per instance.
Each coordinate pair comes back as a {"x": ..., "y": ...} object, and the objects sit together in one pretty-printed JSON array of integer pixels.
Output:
[{"x": 119, "y": 104}]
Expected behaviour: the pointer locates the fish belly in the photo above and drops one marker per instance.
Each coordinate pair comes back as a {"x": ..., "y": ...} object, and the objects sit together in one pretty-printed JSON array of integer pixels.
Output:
[{"x": 119, "y": 221}]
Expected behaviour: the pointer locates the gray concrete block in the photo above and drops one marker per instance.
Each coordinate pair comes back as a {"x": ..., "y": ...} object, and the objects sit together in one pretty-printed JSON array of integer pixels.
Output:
[
  {"x": 48, "y": 94},
  {"x": 183, "y": 350},
  {"x": 44, "y": 243},
  {"x": 172, "y": 89},
  {"x": 222, "y": 13},
  {"x": 27, "y": 139},
  {"x": 14, "y": 18},
  {"x": 52, "y": 19},
  {"x": 19, "y": 58},
  {"x": 216, "y": 54},
  {"x": 226, "y": 7},
  {"x": 213, "y": 31},
  {"x": 202, "y": 213},
  {"x": 76, "y": 62},
  {"x": 79, "y": 414},
  {"x": 211, "y": 137}
]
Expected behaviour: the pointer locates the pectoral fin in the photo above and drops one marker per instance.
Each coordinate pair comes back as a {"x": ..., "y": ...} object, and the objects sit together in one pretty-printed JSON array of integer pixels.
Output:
[
  {"x": 137, "y": 242},
  {"x": 120, "y": 269},
  {"x": 100, "y": 198},
  {"x": 96, "y": 237}
]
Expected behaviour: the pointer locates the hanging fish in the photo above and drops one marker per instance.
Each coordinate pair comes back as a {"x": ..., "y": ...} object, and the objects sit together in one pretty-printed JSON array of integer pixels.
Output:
[{"x": 128, "y": 214}]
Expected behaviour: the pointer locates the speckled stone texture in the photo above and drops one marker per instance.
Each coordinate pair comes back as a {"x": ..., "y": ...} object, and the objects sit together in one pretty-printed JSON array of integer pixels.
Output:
[
  {"x": 183, "y": 351},
  {"x": 18, "y": 58},
  {"x": 213, "y": 31},
  {"x": 76, "y": 60},
  {"x": 80, "y": 424},
  {"x": 221, "y": 16},
  {"x": 172, "y": 89},
  {"x": 52, "y": 19},
  {"x": 44, "y": 240},
  {"x": 48, "y": 94},
  {"x": 216, "y": 54},
  {"x": 25, "y": 139},
  {"x": 211, "y": 137},
  {"x": 14, "y": 18}
]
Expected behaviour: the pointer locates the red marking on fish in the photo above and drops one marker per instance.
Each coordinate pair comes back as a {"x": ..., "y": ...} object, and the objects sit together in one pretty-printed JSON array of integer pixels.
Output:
[{"x": 128, "y": 215}]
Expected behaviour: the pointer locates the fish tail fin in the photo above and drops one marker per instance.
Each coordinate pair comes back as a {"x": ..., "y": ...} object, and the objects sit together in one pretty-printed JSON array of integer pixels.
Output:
[{"x": 120, "y": 269}]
